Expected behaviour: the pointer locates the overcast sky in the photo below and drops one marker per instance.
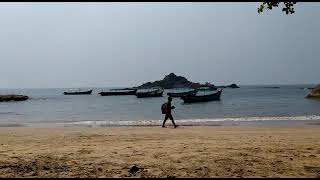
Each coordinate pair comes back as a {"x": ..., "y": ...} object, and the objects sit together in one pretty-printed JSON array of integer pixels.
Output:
[{"x": 125, "y": 44}]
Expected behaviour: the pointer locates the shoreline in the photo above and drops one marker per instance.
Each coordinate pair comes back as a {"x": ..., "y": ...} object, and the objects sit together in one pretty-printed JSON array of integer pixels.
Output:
[
  {"x": 188, "y": 151},
  {"x": 157, "y": 123}
]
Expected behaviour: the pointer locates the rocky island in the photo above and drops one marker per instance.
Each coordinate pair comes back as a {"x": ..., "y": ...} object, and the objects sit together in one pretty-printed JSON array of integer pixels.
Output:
[{"x": 173, "y": 81}]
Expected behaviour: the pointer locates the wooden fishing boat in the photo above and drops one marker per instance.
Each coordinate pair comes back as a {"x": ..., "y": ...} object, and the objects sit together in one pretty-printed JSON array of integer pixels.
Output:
[
  {"x": 77, "y": 92},
  {"x": 149, "y": 93},
  {"x": 118, "y": 92},
  {"x": 203, "y": 98},
  {"x": 180, "y": 94},
  {"x": 206, "y": 88}
]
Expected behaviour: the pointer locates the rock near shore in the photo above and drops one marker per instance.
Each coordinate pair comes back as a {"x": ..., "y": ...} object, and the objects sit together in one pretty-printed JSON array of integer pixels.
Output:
[
  {"x": 6, "y": 98},
  {"x": 314, "y": 93}
]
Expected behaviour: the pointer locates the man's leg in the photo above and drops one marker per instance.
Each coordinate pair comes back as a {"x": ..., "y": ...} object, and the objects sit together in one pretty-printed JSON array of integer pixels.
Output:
[
  {"x": 165, "y": 119},
  {"x": 171, "y": 118}
]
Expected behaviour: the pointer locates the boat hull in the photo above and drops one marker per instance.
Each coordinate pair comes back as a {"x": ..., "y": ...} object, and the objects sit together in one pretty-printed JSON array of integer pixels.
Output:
[
  {"x": 78, "y": 93},
  {"x": 205, "y": 98},
  {"x": 115, "y": 93},
  {"x": 146, "y": 94},
  {"x": 182, "y": 94}
]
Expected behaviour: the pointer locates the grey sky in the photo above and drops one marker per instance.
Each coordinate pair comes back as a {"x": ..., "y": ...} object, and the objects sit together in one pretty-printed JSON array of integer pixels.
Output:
[{"x": 125, "y": 44}]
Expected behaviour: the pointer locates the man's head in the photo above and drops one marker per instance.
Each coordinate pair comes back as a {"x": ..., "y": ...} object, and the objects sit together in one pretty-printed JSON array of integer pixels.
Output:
[{"x": 170, "y": 99}]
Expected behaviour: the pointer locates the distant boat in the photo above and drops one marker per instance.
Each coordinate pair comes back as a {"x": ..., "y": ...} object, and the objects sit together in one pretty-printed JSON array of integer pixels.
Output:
[
  {"x": 203, "y": 98},
  {"x": 118, "y": 92},
  {"x": 149, "y": 93},
  {"x": 180, "y": 94},
  {"x": 77, "y": 92}
]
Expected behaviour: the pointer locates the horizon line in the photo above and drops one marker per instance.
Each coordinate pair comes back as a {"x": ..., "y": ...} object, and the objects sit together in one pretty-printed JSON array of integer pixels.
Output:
[{"x": 133, "y": 86}]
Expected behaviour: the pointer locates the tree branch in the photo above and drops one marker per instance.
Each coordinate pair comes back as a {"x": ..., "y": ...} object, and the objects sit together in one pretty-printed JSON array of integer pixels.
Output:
[{"x": 288, "y": 7}]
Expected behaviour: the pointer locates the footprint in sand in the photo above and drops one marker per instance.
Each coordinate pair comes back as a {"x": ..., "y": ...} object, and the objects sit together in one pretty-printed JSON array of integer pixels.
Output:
[{"x": 85, "y": 151}]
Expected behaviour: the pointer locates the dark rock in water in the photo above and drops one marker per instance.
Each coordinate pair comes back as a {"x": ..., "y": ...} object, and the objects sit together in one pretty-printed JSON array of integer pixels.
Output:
[
  {"x": 233, "y": 86},
  {"x": 134, "y": 168},
  {"x": 314, "y": 93},
  {"x": 6, "y": 98},
  {"x": 173, "y": 81},
  {"x": 230, "y": 86}
]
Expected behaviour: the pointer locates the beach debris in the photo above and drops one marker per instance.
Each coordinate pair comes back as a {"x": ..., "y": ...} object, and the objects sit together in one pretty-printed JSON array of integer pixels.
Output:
[{"x": 134, "y": 168}]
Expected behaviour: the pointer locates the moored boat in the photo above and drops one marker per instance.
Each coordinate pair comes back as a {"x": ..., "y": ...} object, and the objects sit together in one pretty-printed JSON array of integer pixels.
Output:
[
  {"x": 207, "y": 88},
  {"x": 118, "y": 92},
  {"x": 149, "y": 93},
  {"x": 203, "y": 98},
  {"x": 77, "y": 92},
  {"x": 180, "y": 94}
]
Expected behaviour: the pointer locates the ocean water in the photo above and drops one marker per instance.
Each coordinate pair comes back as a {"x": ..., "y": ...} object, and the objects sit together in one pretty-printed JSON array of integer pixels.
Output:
[{"x": 248, "y": 103}]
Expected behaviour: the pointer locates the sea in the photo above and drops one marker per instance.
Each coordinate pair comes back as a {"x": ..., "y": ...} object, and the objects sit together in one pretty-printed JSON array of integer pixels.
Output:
[{"x": 247, "y": 104}]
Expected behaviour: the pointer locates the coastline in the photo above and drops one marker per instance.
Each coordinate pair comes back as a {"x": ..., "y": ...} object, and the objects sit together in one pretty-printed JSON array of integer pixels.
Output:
[
  {"x": 251, "y": 121},
  {"x": 188, "y": 151}
]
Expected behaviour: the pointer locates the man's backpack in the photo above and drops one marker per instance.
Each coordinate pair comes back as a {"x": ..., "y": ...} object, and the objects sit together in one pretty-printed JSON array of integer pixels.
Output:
[{"x": 164, "y": 108}]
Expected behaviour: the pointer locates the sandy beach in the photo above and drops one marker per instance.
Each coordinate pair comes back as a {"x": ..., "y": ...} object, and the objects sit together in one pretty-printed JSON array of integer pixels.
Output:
[{"x": 188, "y": 151}]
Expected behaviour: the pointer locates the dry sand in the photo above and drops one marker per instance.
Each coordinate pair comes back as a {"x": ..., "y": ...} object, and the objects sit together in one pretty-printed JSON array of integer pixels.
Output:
[{"x": 215, "y": 151}]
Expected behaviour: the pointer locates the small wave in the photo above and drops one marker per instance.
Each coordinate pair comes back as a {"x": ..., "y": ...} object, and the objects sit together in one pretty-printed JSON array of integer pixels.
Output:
[
  {"x": 32, "y": 98},
  {"x": 215, "y": 121}
]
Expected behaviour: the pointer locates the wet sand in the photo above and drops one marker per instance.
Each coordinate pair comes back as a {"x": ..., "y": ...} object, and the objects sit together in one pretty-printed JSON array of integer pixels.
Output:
[{"x": 188, "y": 151}]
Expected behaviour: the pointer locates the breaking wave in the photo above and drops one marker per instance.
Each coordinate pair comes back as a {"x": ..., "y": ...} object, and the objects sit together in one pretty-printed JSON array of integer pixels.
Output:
[{"x": 191, "y": 122}]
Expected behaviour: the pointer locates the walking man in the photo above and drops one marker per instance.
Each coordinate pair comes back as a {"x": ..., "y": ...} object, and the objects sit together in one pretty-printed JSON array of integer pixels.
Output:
[{"x": 166, "y": 109}]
